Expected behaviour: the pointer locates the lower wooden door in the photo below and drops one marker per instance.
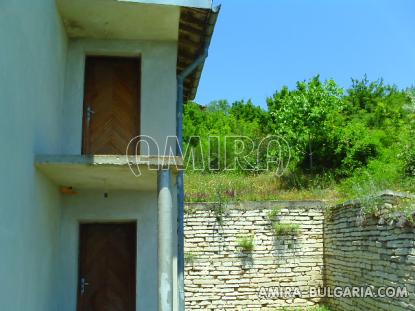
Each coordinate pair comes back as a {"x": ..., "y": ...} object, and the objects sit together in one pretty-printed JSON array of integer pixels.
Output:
[{"x": 107, "y": 267}]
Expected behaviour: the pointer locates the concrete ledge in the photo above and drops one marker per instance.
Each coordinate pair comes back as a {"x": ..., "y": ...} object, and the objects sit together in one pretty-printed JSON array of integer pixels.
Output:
[
  {"x": 116, "y": 160},
  {"x": 106, "y": 172}
]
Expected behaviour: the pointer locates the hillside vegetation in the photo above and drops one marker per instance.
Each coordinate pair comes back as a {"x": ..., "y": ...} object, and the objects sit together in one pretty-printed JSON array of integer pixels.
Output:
[{"x": 329, "y": 143}]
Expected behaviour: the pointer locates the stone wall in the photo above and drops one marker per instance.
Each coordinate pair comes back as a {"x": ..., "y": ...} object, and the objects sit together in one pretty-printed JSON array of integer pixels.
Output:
[
  {"x": 369, "y": 251},
  {"x": 220, "y": 276}
]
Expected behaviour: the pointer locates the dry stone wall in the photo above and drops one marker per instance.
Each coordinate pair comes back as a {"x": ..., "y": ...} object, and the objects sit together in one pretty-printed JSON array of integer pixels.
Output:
[
  {"x": 342, "y": 249},
  {"x": 371, "y": 252},
  {"x": 219, "y": 275}
]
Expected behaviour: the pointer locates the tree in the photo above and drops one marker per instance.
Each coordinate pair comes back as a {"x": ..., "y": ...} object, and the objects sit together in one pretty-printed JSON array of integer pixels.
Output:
[{"x": 306, "y": 117}]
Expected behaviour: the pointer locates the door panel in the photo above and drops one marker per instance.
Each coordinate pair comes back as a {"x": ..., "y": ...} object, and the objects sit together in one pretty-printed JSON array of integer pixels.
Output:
[
  {"x": 107, "y": 267},
  {"x": 111, "y": 104}
]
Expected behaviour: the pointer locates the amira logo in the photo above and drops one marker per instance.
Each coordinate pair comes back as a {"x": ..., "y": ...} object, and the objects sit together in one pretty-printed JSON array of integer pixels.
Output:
[{"x": 271, "y": 153}]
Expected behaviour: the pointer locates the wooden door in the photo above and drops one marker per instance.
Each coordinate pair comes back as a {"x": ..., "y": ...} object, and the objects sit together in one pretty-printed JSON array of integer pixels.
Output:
[
  {"x": 111, "y": 104},
  {"x": 107, "y": 267}
]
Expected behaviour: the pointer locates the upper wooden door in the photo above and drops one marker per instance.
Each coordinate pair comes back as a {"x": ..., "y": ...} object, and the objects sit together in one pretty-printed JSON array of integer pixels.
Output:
[
  {"x": 111, "y": 104},
  {"x": 107, "y": 267}
]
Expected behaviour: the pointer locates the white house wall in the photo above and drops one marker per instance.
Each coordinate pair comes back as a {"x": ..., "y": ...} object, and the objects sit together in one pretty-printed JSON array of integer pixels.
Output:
[
  {"x": 92, "y": 206},
  {"x": 41, "y": 83},
  {"x": 158, "y": 87},
  {"x": 32, "y": 66}
]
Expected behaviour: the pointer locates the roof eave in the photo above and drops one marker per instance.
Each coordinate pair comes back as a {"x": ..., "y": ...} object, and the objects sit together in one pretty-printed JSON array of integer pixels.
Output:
[{"x": 195, "y": 33}]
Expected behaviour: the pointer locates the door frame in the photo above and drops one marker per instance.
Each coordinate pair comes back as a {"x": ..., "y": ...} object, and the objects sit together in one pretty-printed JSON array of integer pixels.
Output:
[{"x": 135, "y": 253}]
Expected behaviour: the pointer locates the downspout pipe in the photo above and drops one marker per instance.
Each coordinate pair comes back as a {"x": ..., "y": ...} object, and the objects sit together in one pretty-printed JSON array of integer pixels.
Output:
[
  {"x": 165, "y": 246},
  {"x": 180, "y": 176}
]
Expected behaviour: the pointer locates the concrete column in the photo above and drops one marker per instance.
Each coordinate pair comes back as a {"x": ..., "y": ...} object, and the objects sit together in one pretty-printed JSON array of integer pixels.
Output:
[{"x": 165, "y": 236}]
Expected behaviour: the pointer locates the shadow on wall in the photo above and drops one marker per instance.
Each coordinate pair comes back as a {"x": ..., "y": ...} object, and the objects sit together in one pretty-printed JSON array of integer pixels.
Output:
[
  {"x": 265, "y": 244},
  {"x": 246, "y": 249}
]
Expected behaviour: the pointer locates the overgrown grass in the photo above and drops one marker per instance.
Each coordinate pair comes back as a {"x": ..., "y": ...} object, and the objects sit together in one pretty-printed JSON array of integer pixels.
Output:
[
  {"x": 285, "y": 229},
  {"x": 386, "y": 172},
  {"x": 274, "y": 213},
  {"x": 246, "y": 243},
  {"x": 376, "y": 177},
  {"x": 204, "y": 187}
]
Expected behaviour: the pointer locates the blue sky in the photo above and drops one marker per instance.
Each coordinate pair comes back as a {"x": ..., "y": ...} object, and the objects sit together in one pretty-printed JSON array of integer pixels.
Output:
[{"x": 260, "y": 45}]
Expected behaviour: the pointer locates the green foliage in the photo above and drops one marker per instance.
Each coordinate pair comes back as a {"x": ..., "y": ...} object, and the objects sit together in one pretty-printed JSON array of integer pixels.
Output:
[
  {"x": 377, "y": 176},
  {"x": 362, "y": 139},
  {"x": 203, "y": 187},
  {"x": 317, "y": 308},
  {"x": 407, "y": 208},
  {"x": 403, "y": 208},
  {"x": 246, "y": 243},
  {"x": 274, "y": 213},
  {"x": 286, "y": 229},
  {"x": 282, "y": 228},
  {"x": 219, "y": 209},
  {"x": 220, "y": 120},
  {"x": 190, "y": 210},
  {"x": 328, "y": 131},
  {"x": 298, "y": 179},
  {"x": 306, "y": 117},
  {"x": 189, "y": 258},
  {"x": 409, "y": 161}
]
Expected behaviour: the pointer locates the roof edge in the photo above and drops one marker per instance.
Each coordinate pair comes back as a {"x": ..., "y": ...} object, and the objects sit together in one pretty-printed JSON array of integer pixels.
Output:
[{"x": 204, "y": 35}]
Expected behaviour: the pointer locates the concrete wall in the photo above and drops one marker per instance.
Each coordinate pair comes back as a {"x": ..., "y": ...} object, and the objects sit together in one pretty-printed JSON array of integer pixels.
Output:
[
  {"x": 158, "y": 87},
  {"x": 92, "y": 206},
  {"x": 375, "y": 252},
  {"x": 158, "y": 110},
  {"x": 32, "y": 66},
  {"x": 89, "y": 206},
  {"x": 40, "y": 116},
  {"x": 221, "y": 277}
]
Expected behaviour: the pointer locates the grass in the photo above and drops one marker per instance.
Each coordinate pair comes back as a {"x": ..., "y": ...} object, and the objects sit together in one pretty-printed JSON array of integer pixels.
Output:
[
  {"x": 274, "y": 213},
  {"x": 207, "y": 187},
  {"x": 204, "y": 187},
  {"x": 246, "y": 243},
  {"x": 189, "y": 258},
  {"x": 318, "y": 308},
  {"x": 284, "y": 229}
]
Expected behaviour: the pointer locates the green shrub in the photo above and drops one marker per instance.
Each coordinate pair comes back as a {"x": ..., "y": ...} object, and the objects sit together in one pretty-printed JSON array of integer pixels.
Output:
[
  {"x": 379, "y": 175},
  {"x": 357, "y": 145},
  {"x": 219, "y": 208},
  {"x": 285, "y": 229},
  {"x": 274, "y": 213},
  {"x": 246, "y": 243},
  {"x": 189, "y": 258},
  {"x": 349, "y": 143},
  {"x": 409, "y": 162},
  {"x": 297, "y": 179}
]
